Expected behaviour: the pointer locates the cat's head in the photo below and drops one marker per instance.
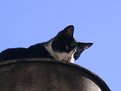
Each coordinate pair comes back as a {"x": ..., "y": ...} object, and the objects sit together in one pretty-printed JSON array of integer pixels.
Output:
[{"x": 66, "y": 47}]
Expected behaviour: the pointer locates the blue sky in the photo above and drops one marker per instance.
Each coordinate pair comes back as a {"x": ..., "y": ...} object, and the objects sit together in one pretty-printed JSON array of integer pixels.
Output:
[{"x": 27, "y": 22}]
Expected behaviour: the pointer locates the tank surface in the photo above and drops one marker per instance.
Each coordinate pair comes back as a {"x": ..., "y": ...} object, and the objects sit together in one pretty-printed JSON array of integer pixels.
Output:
[{"x": 47, "y": 75}]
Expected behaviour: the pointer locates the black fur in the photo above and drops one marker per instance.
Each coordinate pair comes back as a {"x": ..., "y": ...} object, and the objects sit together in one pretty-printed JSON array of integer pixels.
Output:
[
  {"x": 61, "y": 47},
  {"x": 64, "y": 41},
  {"x": 31, "y": 52}
]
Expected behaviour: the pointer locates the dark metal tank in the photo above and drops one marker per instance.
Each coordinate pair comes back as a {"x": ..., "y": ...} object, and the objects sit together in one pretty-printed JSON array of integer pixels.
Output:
[{"x": 47, "y": 75}]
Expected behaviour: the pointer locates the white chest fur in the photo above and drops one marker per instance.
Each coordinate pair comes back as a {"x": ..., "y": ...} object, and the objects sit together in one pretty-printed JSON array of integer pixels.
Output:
[
  {"x": 72, "y": 58},
  {"x": 62, "y": 56}
]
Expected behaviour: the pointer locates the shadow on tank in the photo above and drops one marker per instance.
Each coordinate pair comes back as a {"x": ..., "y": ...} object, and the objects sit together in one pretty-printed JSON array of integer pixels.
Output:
[{"x": 47, "y": 75}]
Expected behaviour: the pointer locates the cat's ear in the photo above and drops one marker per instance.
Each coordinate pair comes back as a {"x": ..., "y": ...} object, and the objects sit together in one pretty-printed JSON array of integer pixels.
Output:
[
  {"x": 69, "y": 30},
  {"x": 87, "y": 45}
]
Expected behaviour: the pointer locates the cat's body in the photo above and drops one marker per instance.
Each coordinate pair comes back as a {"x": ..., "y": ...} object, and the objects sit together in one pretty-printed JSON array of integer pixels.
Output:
[{"x": 62, "y": 47}]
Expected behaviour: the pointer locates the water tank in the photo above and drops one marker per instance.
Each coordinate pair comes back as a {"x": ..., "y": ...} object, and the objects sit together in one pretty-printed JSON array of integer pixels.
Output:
[{"x": 47, "y": 75}]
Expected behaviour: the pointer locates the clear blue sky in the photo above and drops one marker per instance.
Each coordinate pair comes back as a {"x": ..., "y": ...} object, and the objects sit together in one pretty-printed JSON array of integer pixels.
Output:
[{"x": 27, "y": 22}]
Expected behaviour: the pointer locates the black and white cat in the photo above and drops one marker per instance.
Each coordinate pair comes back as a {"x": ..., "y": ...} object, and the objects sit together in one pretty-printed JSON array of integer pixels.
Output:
[{"x": 62, "y": 47}]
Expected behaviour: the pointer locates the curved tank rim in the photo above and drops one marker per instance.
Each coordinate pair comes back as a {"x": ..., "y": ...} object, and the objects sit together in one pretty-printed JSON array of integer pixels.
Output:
[{"x": 100, "y": 81}]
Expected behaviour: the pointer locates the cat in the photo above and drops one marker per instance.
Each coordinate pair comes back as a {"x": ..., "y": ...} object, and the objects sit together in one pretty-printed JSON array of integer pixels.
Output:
[{"x": 63, "y": 47}]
